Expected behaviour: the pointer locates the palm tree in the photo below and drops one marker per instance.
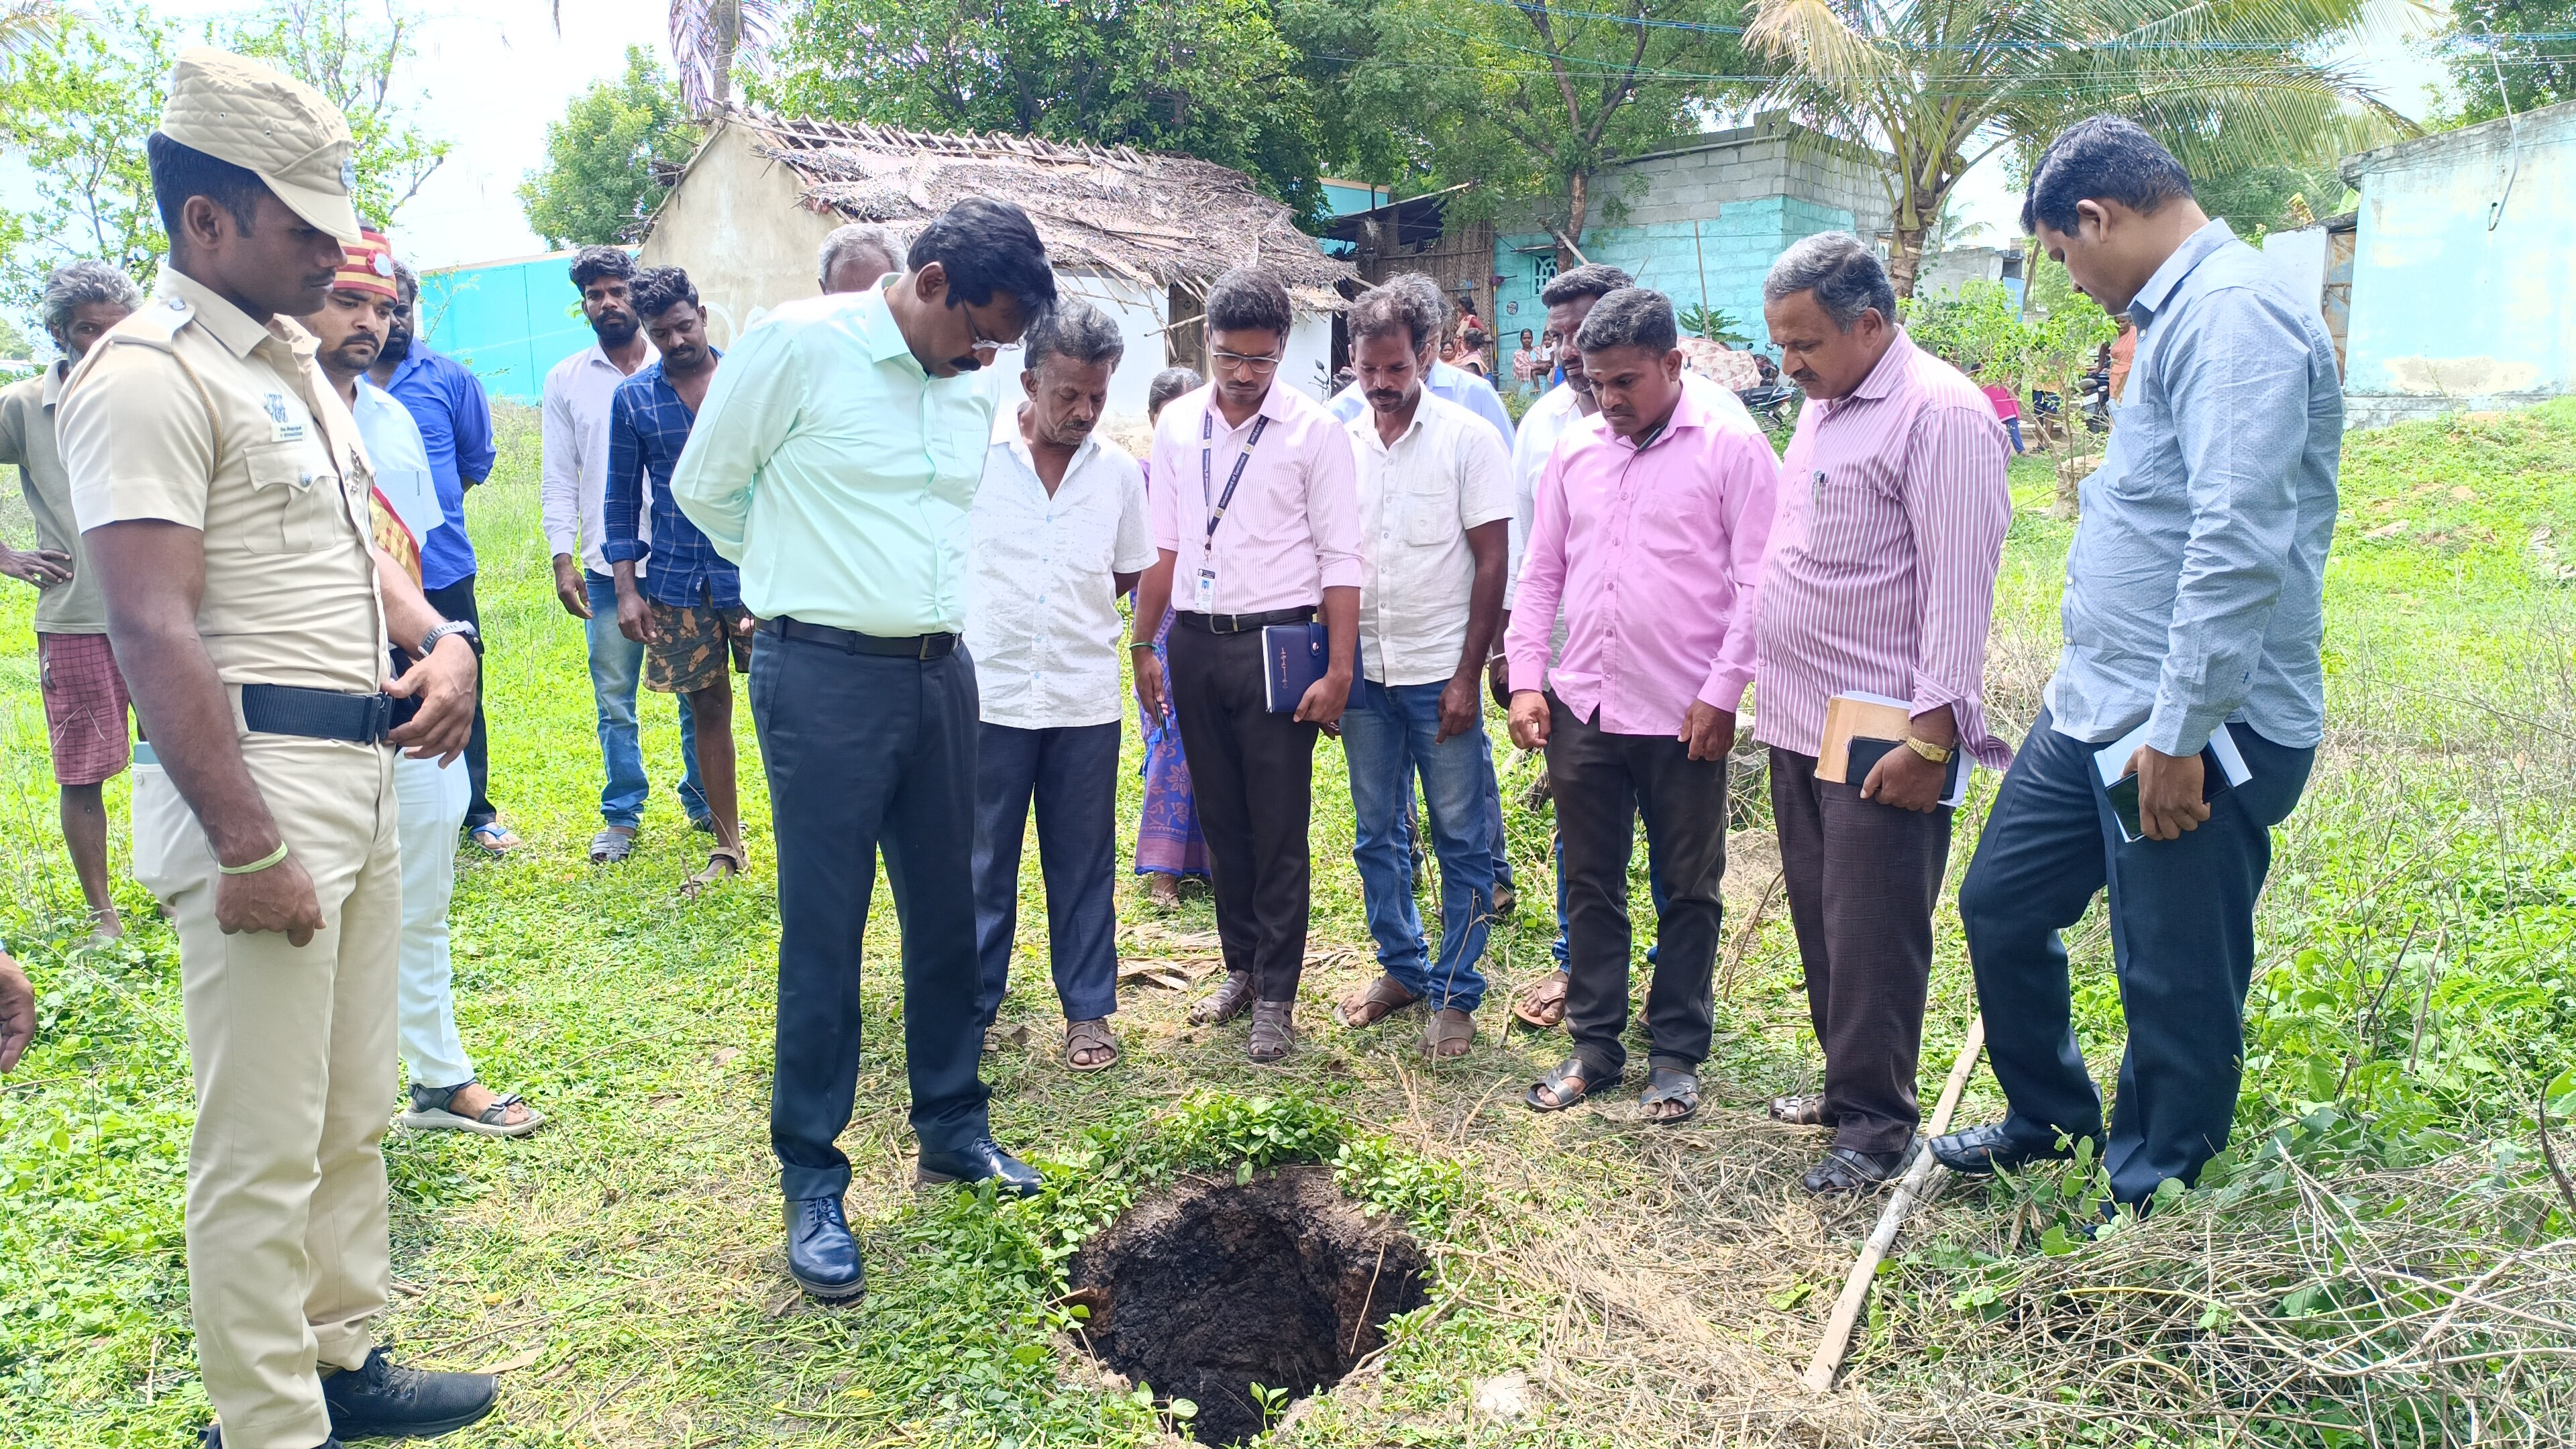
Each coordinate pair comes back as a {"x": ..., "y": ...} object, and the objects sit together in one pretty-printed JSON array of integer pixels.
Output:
[
  {"x": 25, "y": 22},
  {"x": 1940, "y": 85},
  {"x": 707, "y": 36}
]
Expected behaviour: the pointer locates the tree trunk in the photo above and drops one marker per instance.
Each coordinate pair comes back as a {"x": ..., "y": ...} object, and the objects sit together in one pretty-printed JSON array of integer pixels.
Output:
[
  {"x": 726, "y": 17},
  {"x": 1573, "y": 234},
  {"x": 1904, "y": 259}
]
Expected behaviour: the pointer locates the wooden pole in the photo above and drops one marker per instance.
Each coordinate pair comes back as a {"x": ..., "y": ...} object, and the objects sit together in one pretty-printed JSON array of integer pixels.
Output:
[
  {"x": 1911, "y": 1189},
  {"x": 1703, "y": 267}
]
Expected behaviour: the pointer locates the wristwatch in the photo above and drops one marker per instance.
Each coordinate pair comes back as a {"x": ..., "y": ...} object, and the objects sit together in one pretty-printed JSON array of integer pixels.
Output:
[
  {"x": 473, "y": 636},
  {"x": 1937, "y": 754}
]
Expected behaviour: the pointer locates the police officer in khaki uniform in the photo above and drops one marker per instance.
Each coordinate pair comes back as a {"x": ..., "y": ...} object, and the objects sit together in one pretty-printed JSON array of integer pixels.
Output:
[{"x": 222, "y": 495}]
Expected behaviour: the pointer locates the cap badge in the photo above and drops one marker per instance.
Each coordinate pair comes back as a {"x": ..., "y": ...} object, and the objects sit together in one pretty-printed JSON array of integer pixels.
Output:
[{"x": 383, "y": 265}]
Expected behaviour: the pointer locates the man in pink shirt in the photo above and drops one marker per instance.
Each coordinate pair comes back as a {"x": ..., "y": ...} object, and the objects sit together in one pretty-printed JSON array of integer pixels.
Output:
[
  {"x": 1880, "y": 580},
  {"x": 1256, "y": 518},
  {"x": 1648, "y": 526}
]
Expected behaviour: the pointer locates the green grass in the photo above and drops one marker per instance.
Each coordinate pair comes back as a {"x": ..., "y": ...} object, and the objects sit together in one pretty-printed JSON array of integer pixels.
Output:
[{"x": 1655, "y": 1286}]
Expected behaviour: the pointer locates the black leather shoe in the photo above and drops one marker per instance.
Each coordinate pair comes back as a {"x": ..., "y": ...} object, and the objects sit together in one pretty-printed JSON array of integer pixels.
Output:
[
  {"x": 1988, "y": 1149},
  {"x": 1847, "y": 1169},
  {"x": 978, "y": 1161},
  {"x": 382, "y": 1401},
  {"x": 821, "y": 1255}
]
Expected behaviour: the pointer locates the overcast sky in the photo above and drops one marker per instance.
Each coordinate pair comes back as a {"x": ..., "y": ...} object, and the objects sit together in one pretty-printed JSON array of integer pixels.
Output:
[{"x": 494, "y": 72}]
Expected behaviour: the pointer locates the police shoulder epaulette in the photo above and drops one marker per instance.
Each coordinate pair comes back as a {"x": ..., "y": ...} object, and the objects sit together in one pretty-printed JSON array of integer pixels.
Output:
[{"x": 155, "y": 324}]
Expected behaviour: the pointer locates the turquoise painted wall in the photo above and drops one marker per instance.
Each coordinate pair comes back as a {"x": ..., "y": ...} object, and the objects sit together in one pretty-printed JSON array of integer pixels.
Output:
[
  {"x": 1736, "y": 249},
  {"x": 1342, "y": 198},
  {"x": 2461, "y": 288},
  {"x": 508, "y": 321}
]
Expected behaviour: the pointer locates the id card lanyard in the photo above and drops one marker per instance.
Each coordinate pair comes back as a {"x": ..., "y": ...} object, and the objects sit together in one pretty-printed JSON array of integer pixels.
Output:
[{"x": 1204, "y": 594}]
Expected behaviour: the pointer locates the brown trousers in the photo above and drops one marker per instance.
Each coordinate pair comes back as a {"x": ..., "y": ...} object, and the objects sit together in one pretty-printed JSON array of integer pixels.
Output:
[{"x": 1862, "y": 879}]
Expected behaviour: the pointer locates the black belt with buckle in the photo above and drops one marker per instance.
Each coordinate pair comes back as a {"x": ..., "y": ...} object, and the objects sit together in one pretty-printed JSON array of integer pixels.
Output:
[
  {"x": 850, "y": 641},
  {"x": 1242, "y": 623},
  {"x": 323, "y": 714}
]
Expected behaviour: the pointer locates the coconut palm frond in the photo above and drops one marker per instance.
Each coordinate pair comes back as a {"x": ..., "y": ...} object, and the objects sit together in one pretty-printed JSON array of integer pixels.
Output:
[{"x": 710, "y": 37}]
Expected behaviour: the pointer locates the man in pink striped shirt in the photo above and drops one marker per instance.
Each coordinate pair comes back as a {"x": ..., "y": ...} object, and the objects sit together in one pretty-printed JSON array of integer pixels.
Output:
[
  {"x": 1256, "y": 519},
  {"x": 1880, "y": 580},
  {"x": 1648, "y": 527}
]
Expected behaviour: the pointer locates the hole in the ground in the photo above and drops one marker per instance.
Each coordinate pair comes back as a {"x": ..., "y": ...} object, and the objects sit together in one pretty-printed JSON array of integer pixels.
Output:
[{"x": 1209, "y": 1289}]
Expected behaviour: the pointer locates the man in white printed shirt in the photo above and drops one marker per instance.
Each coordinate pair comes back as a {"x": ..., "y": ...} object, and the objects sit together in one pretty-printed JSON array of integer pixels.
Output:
[
  {"x": 571, "y": 498},
  {"x": 1060, "y": 531},
  {"x": 1435, "y": 515}
]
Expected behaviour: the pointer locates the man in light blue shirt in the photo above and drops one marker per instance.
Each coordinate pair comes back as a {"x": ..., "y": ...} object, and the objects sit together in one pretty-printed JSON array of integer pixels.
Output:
[
  {"x": 834, "y": 460},
  {"x": 2194, "y": 605}
]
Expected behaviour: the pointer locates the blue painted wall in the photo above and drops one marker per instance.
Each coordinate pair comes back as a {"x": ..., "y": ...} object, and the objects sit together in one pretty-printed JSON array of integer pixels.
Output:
[
  {"x": 508, "y": 321},
  {"x": 1344, "y": 197},
  {"x": 1734, "y": 250},
  {"x": 2459, "y": 303}
]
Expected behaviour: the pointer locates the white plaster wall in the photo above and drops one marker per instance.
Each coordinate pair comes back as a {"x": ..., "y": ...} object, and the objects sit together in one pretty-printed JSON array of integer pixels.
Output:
[
  {"x": 2300, "y": 258},
  {"x": 1308, "y": 366}
]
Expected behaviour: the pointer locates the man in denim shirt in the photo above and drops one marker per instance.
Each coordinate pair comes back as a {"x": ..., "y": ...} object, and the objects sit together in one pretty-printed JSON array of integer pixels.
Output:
[{"x": 2194, "y": 603}]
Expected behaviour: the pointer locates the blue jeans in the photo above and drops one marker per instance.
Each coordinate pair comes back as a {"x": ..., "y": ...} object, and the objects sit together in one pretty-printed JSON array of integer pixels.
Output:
[
  {"x": 2182, "y": 944},
  {"x": 1073, "y": 775},
  {"x": 1387, "y": 738},
  {"x": 616, "y": 663},
  {"x": 2012, "y": 426}
]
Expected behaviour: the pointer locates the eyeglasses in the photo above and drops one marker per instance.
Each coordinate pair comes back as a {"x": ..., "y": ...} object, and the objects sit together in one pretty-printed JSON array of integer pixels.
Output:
[
  {"x": 981, "y": 342},
  {"x": 1237, "y": 362}
]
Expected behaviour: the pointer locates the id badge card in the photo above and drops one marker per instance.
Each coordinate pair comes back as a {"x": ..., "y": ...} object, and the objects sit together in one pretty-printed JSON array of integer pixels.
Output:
[{"x": 1204, "y": 593}]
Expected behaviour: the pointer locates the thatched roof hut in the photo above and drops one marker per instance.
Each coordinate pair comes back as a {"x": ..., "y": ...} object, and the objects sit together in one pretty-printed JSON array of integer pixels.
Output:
[{"x": 1138, "y": 234}]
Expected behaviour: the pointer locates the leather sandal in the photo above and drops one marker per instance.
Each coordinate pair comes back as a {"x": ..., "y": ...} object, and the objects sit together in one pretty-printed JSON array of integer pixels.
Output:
[
  {"x": 611, "y": 845},
  {"x": 1847, "y": 1169},
  {"x": 1799, "y": 1111},
  {"x": 1448, "y": 1034},
  {"x": 1542, "y": 1002},
  {"x": 1094, "y": 1037},
  {"x": 1381, "y": 999},
  {"x": 1274, "y": 1029},
  {"x": 722, "y": 861},
  {"x": 429, "y": 1113},
  {"x": 1673, "y": 1085},
  {"x": 1231, "y": 999},
  {"x": 1565, "y": 1084}
]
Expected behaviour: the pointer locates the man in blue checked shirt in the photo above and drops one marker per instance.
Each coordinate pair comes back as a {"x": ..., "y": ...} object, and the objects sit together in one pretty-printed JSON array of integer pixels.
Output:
[
  {"x": 2194, "y": 610},
  {"x": 455, "y": 420},
  {"x": 687, "y": 609}
]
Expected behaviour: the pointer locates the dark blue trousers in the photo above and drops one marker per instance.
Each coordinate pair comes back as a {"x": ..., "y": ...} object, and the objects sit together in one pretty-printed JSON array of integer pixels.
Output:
[
  {"x": 1072, "y": 774},
  {"x": 864, "y": 751},
  {"x": 2182, "y": 940}
]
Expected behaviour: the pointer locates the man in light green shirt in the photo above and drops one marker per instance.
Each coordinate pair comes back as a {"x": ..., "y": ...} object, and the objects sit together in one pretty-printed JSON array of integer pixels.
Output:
[{"x": 834, "y": 460}]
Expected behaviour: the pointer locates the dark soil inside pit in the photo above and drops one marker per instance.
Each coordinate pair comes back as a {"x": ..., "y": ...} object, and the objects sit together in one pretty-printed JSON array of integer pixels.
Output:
[{"x": 1207, "y": 1289}]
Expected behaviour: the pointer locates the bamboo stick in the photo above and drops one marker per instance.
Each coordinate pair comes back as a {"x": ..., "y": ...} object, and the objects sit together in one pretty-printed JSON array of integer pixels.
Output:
[{"x": 1911, "y": 1189}]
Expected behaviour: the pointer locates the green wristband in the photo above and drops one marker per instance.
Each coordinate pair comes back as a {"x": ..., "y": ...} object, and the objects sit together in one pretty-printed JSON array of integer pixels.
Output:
[{"x": 256, "y": 866}]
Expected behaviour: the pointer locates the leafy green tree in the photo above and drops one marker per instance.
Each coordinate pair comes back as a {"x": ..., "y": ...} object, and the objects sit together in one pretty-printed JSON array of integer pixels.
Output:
[
  {"x": 2255, "y": 199},
  {"x": 1208, "y": 78},
  {"x": 75, "y": 108},
  {"x": 356, "y": 53},
  {"x": 1528, "y": 98},
  {"x": 2493, "y": 67},
  {"x": 599, "y": 178},
  {"x": 2227, "y": 84}
]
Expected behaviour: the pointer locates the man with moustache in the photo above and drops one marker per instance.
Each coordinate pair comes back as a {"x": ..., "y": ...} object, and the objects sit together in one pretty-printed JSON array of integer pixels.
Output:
[
  {"x": 1649, "y": 528},
  {"x": 834, "y": 461},
  {"x": 1435, "y": 509},
  {"x": 403, "y": 507},
  {"x": 223, "y": 493},
  {"x": 688, "y": 612},
  {"x": 446, "y": 399},
  {"x": 1880, "y": 580},
  {"x": 1569, "y": 297},
  {"x": 1257, "y": 525},
  {"x": 1060, "y": 534},
  {"x": 85, "y": 698},
  {"x": 2194, "y": 609},
  {"x": 572, "y": 498}
]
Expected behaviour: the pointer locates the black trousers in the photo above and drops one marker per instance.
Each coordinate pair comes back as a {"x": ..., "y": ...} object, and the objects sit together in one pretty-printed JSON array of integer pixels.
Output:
[
  {"x": 2182, "y": 942},
  {"x": 865, "y": 750},
  {"x": 1602, "y": 782},
  {"x": 1863, "y": 878},
  {"x": 1254, "y": 775},
  {"x": 456, "y": 601}
]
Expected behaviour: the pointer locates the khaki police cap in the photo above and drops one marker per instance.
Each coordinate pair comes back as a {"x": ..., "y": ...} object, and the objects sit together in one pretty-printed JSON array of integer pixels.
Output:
[{"x": 274, "y": 126}]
